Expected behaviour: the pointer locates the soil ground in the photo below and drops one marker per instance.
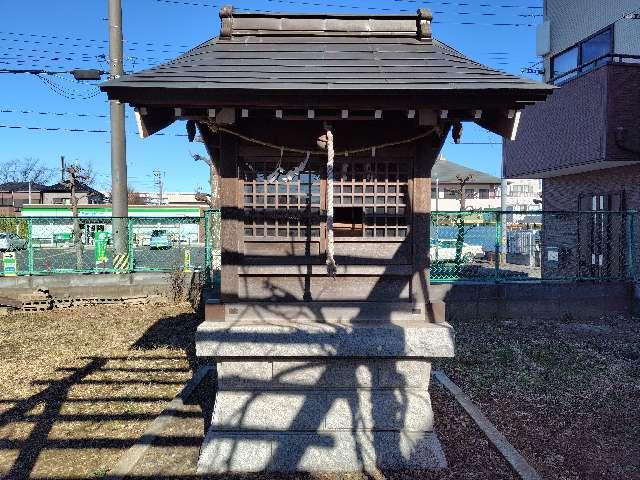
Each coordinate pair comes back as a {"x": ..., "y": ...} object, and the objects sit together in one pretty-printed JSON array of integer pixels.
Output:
[
  {"x": 81, "y": 385},
  {"x": 564, "y": 392}
]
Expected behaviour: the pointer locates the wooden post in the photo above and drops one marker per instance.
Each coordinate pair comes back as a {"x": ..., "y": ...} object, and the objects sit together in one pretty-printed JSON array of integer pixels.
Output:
[
  {"x": 231, "y": 219},
  {"x": 420, "y": 190}
]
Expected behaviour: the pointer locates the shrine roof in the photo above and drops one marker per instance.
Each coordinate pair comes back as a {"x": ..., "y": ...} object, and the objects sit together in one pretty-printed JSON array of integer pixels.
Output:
[{"x": 326, "y": 53}]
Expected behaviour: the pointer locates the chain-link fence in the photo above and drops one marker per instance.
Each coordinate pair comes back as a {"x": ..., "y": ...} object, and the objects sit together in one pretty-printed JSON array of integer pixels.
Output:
[
  {"x": 519, "y": 246},
  {"x": 53, "y": 245},
  {"x": 486, "y": 246}
]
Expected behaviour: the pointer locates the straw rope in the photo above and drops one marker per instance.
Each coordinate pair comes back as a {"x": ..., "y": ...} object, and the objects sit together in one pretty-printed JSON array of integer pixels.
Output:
[{"x": 217, "y": 128}]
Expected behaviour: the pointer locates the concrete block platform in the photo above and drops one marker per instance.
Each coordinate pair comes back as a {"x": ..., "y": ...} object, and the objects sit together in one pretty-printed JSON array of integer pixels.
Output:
[{"x": 302, "y": 396}]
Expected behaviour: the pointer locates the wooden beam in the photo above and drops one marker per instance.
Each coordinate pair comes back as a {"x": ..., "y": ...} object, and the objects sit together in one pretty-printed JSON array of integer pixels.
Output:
[
  {"x": 428, "y": 118},
  {"x": 226, "y": 116}
]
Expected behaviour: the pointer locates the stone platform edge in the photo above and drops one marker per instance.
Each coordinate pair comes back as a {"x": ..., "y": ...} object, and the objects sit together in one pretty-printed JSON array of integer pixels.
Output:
[{"x": 294, "y": 339}]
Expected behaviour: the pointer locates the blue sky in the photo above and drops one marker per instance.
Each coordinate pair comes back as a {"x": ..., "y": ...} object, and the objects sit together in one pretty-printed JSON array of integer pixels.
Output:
[{"x": 61, "y": 35}]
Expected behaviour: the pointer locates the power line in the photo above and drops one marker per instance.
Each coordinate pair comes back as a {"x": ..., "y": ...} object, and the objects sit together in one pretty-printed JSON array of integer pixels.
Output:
[
  {"x": 92, "y": 40},
  {"x": 78, "y": 130},
  {"x": 57, "y": 114},
  {"x": 496, "y": 24}
]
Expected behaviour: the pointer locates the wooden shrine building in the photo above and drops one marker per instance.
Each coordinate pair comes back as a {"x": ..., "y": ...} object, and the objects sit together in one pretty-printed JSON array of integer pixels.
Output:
[
  {"x": 283, "y": 79},
  {"x": 280, "y": 100}
]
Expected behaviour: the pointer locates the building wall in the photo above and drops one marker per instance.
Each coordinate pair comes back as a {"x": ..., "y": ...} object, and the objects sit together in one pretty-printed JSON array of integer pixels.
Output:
[
  {"x": 574, "y": 20},
  {"x": 562, "y": 193},
  {"x": 564, "y": 231},
  {"x": 565, "y": 131},
  {"x": 17, "y": 199},
  {"x": 61, "y": 198}
]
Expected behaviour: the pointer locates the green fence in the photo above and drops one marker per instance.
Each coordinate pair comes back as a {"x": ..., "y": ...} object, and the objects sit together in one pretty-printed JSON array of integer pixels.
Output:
[
  {"x": 55, "y": 245},
  {"x": 493, "y": 246},
  {"x": 483, "y": 246}
]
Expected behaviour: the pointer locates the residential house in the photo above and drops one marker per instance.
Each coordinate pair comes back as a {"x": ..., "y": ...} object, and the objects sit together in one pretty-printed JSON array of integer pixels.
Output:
[
  {"x": 13, "y": 195},
  {"x": 60, "y": 194},
  {"x": 481, "y": 192},
  {"x": 584, "y": 140}
]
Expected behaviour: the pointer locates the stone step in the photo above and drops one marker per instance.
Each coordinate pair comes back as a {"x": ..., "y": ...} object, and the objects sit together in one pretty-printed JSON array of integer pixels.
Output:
[
  {"x": 315, "y": 374},
  {"x": 323, "y": 410},
  {"x": 304, "y": 339},
  {"x": 344, "y": 312},
  {"x": 329, "y": 451}
]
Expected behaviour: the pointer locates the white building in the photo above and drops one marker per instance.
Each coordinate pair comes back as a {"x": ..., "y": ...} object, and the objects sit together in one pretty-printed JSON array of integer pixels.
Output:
[
  {"x": 481, "y": 192},
  {"x": 522, "y": 195}
]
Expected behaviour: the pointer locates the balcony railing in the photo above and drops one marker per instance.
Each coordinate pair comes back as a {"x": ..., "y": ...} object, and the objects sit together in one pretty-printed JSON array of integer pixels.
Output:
[{"x": 585, "y": 68}]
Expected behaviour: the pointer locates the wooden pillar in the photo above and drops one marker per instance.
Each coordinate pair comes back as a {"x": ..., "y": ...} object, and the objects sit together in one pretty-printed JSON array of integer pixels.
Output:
[
  {"x": 427, "y": 151},
  {"x": 231, "y": 219}
]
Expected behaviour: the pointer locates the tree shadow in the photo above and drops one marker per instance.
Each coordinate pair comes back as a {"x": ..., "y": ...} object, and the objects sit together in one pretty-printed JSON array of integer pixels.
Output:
[{"x": 307, "y": 432}]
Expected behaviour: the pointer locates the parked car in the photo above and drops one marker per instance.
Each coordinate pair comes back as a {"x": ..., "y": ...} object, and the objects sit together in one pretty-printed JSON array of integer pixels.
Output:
[
  {"x": 159, "y": 239},
  {"x": 445, "y": 249},
  {"x": 11, "y": 241}
]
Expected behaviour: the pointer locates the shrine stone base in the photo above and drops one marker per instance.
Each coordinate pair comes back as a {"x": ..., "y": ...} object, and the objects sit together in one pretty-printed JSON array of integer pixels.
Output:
[{"x": 302, "y": 396}]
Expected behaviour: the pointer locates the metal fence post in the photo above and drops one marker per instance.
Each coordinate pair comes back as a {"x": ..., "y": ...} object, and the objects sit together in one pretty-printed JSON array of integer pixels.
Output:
[
  {"x": 207, "y": 246},
  {"x": 30, "y": 246},
  {"x": 130, "y": 244},
  {"x": 631, "y": 250},
  {"x": 498, "y": 249}
]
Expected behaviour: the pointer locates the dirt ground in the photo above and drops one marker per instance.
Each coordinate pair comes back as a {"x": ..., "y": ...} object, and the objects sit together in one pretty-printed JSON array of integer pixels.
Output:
[
  {"x": 81, "y": 386},
  {"x": 564, "y": 392}
]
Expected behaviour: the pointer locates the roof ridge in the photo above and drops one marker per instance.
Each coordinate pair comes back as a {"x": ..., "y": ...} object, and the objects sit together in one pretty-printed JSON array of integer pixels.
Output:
[{"x": 323, "y": 24}]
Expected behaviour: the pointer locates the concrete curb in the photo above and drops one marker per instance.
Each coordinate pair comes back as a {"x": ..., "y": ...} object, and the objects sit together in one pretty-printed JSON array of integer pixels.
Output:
[
  {"x": 132, "y": 456},
  {"x": 508, "y": 451}
]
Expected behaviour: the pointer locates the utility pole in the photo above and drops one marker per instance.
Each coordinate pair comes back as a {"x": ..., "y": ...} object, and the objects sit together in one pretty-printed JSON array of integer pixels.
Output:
[
  {"x": 119, "y": 195},
  {"x": 159, "y": 182}
]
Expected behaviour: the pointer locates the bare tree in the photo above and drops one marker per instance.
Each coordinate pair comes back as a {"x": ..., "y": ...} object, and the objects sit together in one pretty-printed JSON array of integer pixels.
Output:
[
  {"x": 134, "y": 197},
  {"x": 77, "y": 175},
  {"x": 25, "y": 170},
  {"x": 212, "y": 195},
  {"x": 460, "y": 192}
]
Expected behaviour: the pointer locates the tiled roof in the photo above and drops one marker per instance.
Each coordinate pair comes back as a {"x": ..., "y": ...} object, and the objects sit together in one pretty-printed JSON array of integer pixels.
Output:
[
  {"x": 447, "y": 172},
  {"x": 325, "y": 53}
]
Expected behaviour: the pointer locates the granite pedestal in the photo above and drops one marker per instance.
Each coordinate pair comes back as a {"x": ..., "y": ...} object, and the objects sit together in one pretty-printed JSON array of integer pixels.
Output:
[{"x": 304, "y": 396}]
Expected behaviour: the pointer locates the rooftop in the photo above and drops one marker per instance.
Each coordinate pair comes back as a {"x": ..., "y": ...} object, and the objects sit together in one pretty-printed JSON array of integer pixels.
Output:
[
  {"x": 447, "y": 172},
  {"x": 324, "y": 53}
]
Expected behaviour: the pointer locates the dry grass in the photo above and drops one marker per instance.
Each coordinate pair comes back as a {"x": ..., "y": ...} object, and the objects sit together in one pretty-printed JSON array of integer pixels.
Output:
[
  {"x": 81, "y": 385},
  {"x": 565, "y": 393}
]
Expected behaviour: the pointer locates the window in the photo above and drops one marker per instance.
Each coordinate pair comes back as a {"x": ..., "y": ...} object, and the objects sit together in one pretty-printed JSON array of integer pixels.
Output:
[
  {"x": 594, "y": 48},
  {"x": 564, "y": 63},
  {"x": 470, "y": 192},
  {"x": 347, "y": 221},
  {"x": 583, "y": 57},
  {"x": 484, "y": 193}
]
